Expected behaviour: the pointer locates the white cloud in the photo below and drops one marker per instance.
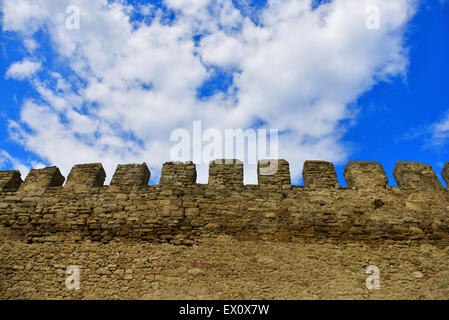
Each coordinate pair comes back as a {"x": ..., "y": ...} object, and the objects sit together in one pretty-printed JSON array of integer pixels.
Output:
[
  {"x": 30, "y": 44},
  {"x": 23, "y": 69},
  {"x": 6, "y": 158},
  {"x": 24, "y": 16},
  {"x": 297, "y": 71},
  {"x": 432, "y": 136},
  {"x": 439, "y": 132}
]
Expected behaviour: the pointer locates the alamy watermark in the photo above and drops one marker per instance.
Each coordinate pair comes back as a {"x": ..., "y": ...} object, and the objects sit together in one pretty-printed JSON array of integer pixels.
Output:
[
  {"x": 212, "y": 144},
  {"x": 72, "y": 21},
  {"x": 373, "y": 280},
  {"x": 72, "y": 282},
  {"x": 372, "y": 21}
]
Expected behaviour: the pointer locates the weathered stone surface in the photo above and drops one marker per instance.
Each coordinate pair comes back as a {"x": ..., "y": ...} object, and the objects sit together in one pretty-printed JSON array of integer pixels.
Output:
[
  {"x": 178, "y": 173},
  {"x": 445, "y": 173},
  {"x": 178, "y": 213},
  {"x": 10, "y": 179},
  {"x": 415, "y": 175},
  {"x": 273, "y": 173},
  {"x": 40, "y": 179},
  {"x": 86, "y": 176},
  {"x": 278, "y": 242},
  {"x": 226, "y": 173},
  {"x": 129, "y": 175},
  {"x": 365, "y": 174},
  {"x": 224, "y": 268},
  {"x": 319, "y": 174}
]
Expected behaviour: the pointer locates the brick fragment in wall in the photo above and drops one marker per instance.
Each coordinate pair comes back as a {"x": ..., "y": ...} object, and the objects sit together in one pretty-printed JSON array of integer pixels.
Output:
[
  {"x": 129, "y": 175},
  {"x": 178, "y": 173},
  {"x": 319, "y": 174},
  {"x": 226, "y": 172},
  {"x": 86, "y": 176},
  {"x": 273, "y": 173},
  {"x": 415, "y": 175},
  {"x": 40, "y": 179},
  {"x": 365, "y": 174},
  {"x": 10, "y": 179}
]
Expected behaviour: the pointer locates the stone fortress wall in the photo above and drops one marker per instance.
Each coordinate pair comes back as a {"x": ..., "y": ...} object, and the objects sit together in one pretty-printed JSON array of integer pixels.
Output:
[
  {"x": 178, "y": 210},
  {"x": 42, "y": 211}
]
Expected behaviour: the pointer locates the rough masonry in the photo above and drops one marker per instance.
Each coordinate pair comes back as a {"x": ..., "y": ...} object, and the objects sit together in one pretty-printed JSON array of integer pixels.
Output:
[
  {"x": 42, "y": 210},
  {"x": 178, "y": 210}
]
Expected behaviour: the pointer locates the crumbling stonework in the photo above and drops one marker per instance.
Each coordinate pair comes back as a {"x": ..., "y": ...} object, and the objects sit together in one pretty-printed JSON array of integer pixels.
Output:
[
  {"x": 130, "y": 175},
  {"x": 86, "y": 176},
  {"x": 415, "y": 175},
  {"x": 45, "y": 226},
  {"x": 365, "y": 174},
  {"x": 178, "y": 173},
  {"x": 445, "y": 173},
  {"x": 40, "y": 179},
  {"x": 274, "y": 174},
  {"x": 319, "y": 174},
  {"x": 226, "y": 173},
  {"x": 10, "y": 179}
]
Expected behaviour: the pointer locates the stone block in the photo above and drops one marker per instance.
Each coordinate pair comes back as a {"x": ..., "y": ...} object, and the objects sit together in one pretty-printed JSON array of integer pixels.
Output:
[
  {"x": 365, "y": 175},
  {"x": 86, "y": 176},
  {"x": 41, "y": 179},
  {"x": 129, "y": 175},
  {"x": 10, "y": 180},
  {"x": 319, "y": 174},
  {"x": 445, "y": 173},
  {"x": 178, "y": 173},
  {"x": 415, "y": 175},
  {"x": 226, "y": 172},
  {"x": 274, "y": 173}
]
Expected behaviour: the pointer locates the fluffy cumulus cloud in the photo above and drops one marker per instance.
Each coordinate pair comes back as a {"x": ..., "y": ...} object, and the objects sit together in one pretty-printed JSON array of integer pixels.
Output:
[
  {"x": 439, "y": 133},
  {"x": 118, "y": 86},
  {"x": 23, "y": 69}
]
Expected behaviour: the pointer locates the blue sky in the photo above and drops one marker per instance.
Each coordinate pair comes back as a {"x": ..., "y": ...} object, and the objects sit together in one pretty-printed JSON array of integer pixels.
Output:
[
  {"x": 114, "y": 90},
  {"x": 395, "y": 117}
]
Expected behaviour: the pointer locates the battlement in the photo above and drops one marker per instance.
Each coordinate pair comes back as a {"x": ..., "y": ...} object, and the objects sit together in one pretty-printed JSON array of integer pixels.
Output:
[
  {"x": 38, "y": 179},
  {"x": 179, "y": 210},
  {"x": 178, "y": 173},
  {"x": 228, "y": 173},
  {"x": 130, "y": 175},
  {"x": 10, "y": 179}
]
